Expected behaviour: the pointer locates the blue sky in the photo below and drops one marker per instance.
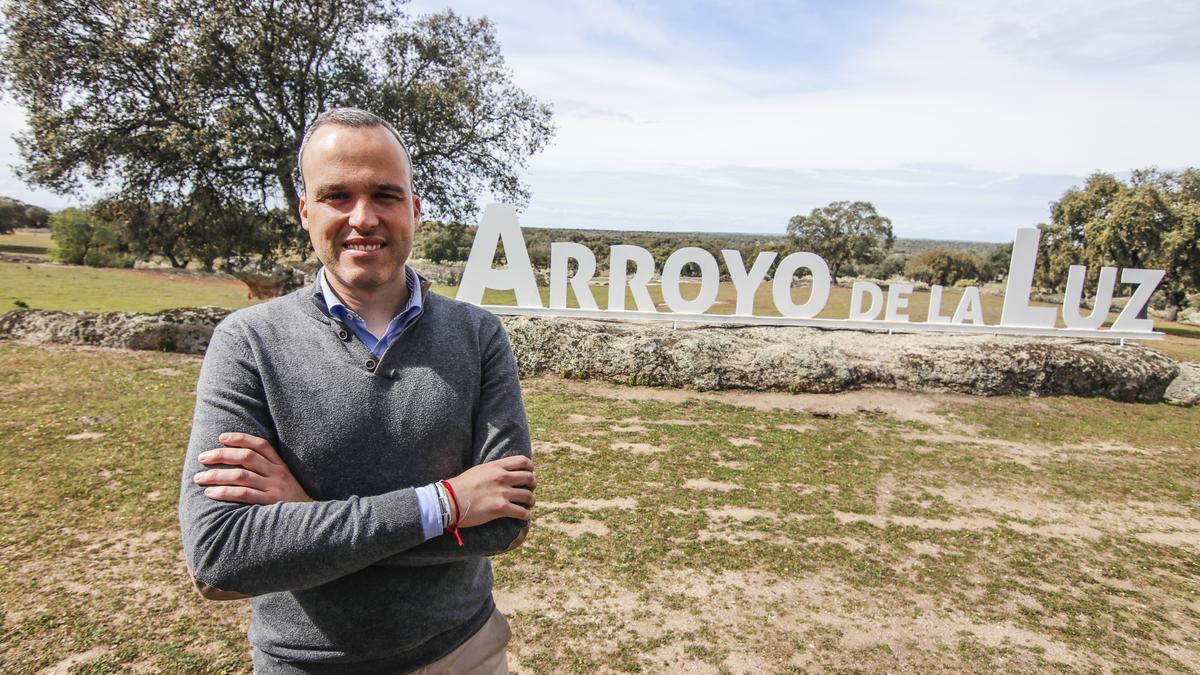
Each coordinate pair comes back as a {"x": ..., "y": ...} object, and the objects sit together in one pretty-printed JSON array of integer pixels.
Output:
[{"x": 959, "y": 120}]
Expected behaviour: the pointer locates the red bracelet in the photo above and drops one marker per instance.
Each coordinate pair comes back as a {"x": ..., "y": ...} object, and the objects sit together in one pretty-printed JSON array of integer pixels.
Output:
[{"x": 457, "y": 512}]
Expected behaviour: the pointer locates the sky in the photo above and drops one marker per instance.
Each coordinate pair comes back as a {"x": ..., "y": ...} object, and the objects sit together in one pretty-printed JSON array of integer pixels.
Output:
[{"x": 957, "y": 120}]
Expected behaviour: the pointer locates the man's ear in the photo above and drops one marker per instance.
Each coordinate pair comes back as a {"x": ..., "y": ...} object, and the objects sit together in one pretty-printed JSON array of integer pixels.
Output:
[
  {"x": 416, "y": 199},
  {"x": 303, "y": 213}
]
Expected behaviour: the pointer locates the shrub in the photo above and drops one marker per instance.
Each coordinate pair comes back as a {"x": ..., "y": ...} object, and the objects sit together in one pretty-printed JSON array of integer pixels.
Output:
[
  {"x": 942, "y": 266},
  {"x": 82, "y": 238}
]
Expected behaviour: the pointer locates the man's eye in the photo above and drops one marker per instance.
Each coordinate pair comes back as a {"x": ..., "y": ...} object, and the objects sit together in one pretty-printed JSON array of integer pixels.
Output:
[
  {"x": 388, "y": 196},
  {"x": 333, "y": 197}
]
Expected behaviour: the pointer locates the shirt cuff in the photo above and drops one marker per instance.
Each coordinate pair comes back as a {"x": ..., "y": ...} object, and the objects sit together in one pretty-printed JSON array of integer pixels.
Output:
[{"x": 431, "y": 511}]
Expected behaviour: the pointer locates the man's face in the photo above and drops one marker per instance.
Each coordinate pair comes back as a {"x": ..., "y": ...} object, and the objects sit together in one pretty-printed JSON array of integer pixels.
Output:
[{"x": 358, "y": 206}]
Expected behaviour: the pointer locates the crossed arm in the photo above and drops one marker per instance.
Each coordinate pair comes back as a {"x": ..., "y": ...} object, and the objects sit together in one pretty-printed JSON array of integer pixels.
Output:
[
  {"x": 501, "y": 488},
  {"x": 249, "y": 527}
]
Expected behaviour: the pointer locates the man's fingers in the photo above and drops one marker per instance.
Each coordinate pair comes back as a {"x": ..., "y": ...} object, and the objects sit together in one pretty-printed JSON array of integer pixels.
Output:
[
  {"x": 523, "y": 478},
  {"x": 515, "y": 463},
  {"x": 514, "y": 511},
  {"x": 521, "y": 497},
  {"x": 234, "y": 493},
  {"x": 255, "y": 443},
  {"x": 235, "y": 477},
  {"x": 250, "y": 459}
]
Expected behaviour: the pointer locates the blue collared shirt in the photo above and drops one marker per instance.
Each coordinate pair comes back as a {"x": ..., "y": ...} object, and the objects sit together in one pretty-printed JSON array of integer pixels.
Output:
[
  {"x": 356, "y": 324},
  {"x": 428, "y": 504}
]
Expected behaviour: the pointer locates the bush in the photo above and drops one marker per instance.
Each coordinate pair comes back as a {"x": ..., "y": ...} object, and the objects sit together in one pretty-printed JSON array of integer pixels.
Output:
[
  {"x": 994, "y": 266},
  {"x": 942, "y": 266},
  {"x": 443, "y": 242},
  {"x": 82, "y": 238},
  {"x": 891, "y": 266}
]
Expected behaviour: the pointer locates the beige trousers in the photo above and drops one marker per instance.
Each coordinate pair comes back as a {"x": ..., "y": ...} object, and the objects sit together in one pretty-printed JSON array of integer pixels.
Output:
[{"x": 482, "y": 654}]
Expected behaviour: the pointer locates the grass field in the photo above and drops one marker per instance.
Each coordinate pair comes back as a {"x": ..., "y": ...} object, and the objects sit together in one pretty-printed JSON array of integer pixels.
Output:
[
  {"x": 70, "y": 287},
  {"x": 872, "y": 531},
  {"x": 26, "y": 242}
]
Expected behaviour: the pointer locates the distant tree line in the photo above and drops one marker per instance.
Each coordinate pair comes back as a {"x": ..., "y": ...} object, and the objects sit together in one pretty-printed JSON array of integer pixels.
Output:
[{"x": 15, "y": 213}]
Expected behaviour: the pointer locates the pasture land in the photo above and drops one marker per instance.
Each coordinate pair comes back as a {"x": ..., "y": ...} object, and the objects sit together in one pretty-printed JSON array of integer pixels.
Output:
[
  {"x": 26, "y": 242},
  {"x": 111, "y": 290},
  {"x": 875, "y": 531}
]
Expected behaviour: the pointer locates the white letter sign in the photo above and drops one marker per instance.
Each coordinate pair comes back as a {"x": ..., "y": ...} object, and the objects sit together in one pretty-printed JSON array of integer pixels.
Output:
[
  {"x": 868, "y": 303},
  {"x": 499, "y": 224}
]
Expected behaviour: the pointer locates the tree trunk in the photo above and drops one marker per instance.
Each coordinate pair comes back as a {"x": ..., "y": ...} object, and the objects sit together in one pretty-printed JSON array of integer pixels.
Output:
[
  {"x": 1171, "y": 313},
  {"x": 288, "y": 185}
]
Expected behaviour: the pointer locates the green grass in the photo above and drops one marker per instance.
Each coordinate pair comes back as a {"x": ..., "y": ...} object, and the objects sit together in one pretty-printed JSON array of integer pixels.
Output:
[
  {"x": 671, "y": 533},
  {"x": 111, "y": 290},
  {"x": 26, "y": 242}
]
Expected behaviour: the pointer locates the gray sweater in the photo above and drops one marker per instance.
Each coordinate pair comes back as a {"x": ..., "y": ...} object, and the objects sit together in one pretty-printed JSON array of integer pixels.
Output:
[{"x": 347, "y": 583}]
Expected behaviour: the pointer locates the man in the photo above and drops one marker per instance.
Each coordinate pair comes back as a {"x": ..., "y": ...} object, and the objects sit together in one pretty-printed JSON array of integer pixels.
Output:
[{"x": 359, "y": 447}]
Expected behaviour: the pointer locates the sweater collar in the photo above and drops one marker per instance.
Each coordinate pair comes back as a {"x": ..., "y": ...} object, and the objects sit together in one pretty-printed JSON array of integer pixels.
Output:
[{"x": 312, "y": 299}]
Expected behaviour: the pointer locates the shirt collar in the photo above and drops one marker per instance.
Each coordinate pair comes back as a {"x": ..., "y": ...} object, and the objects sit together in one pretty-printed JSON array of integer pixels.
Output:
[{"x": 336, "y": 306}]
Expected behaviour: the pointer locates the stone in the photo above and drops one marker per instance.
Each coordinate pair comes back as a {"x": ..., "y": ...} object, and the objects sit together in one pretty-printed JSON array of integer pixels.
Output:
[
  {"x": 1185, "y": 390},
  {"x": 186, "y": 330},
  {"x": 267, "y": 280},
  {"x": 812, "y": 360},
  {"x": 706, "y": 357}
]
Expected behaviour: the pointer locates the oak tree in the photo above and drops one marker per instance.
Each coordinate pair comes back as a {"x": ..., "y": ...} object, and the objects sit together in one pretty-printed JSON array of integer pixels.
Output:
[
  {"x": 841, "y": 233},
  {"x": 200, "y": 105}
]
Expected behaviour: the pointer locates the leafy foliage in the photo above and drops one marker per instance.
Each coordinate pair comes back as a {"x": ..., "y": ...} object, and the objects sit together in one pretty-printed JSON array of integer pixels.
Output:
[
  {"x": 199, "y": 106},
  {"x": 1153, "y": 221},
  {"x": 942, "y": 266},
  {"x": 843, "y": 232},
  {"x": 15, "y": 213},
  {"x": 443, "y": 242},
  {"x": 82, "y": 237}
]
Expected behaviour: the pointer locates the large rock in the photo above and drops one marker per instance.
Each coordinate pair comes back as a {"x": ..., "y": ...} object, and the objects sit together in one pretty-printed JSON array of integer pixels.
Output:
[
  {"x": 813, "y": 360},
  {"x": 186, "y": 330},
  {"x": 1185, "y": 390},
  {"x": 758, "y": 358},
  {"x": 267, "y": 281}
]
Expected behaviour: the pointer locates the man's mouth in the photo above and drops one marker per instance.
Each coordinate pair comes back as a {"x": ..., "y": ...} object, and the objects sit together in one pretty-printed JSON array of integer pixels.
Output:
[{"x": 363, "y": 245}]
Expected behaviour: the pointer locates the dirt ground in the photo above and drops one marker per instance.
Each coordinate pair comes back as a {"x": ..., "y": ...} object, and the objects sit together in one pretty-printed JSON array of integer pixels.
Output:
[
  {"x": 870, "y": 531},
  {"x": 763, "y": 620}
]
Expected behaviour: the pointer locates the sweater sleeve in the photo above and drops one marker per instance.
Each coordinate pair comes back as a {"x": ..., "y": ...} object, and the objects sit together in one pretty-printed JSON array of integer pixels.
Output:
[
  {"x": 234, "y": 548},
  {"x": 500, "y": 430}
]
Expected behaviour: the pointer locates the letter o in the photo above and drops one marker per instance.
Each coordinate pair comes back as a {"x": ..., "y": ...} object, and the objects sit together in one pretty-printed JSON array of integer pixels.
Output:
[
  {"x": 710, "y": 277},
  {"x": 781, "y": 286}
]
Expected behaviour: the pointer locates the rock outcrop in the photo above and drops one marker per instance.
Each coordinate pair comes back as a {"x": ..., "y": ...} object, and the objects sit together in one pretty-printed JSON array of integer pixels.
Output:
[
  {"x": 185, "y": 330},
  {"x": 267, "y": 280},
  {"x": 718, "y": 357},
  {"x": 1185, "y": 389},
  {"x": 813, "y": 360}
]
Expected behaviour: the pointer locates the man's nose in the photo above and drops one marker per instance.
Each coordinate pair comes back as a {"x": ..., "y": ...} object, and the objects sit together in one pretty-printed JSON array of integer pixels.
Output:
[{"x": 363, "y": 215}]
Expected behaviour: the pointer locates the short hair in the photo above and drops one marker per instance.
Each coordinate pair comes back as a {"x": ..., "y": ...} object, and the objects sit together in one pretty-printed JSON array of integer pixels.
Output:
[{"x": 347, "y": 117}]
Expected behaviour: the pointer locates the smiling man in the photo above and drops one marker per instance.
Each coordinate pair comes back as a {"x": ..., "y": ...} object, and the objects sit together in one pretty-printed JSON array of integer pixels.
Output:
[{"x": 359, "y": 447}]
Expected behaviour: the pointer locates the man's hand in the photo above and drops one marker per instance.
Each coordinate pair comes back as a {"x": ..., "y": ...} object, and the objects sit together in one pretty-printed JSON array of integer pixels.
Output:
[
  {"x": 263, "y": 478},
  {"x": 487, "y": 491}
]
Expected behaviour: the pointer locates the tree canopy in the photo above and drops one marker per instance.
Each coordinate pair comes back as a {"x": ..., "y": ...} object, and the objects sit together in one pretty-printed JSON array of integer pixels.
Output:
[
  {"x": 843, "y": 232},
  {"x": 1151, "y": 221},
  {"x": 942, "y": 266},
  {"x": 15, "y": 213},
  {"x": 200, "y": 105}
]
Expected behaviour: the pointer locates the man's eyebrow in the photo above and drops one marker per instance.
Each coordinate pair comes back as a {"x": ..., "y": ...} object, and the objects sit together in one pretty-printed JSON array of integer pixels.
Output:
[
  {"x": 323, "y": 190},
  {"x": 391, "y": 187}
]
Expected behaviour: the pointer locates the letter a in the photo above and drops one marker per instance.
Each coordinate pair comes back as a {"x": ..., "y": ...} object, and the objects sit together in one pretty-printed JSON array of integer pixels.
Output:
[{"x": 499, "y": 223}]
